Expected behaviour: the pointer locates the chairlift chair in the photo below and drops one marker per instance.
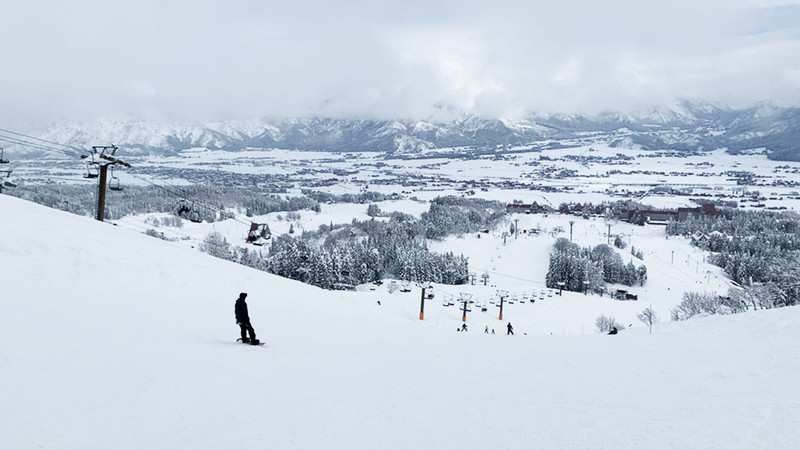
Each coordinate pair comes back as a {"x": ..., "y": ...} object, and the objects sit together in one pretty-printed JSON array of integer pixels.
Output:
[
  {"x": 7, "y": 181},
  {"x": 183, "y": 207},
  {"x": 113, "y": 184},
  {"x": 91, "y": 173},
  {"x": 188, "y": 211},
  {"x": 259, "y": 232}
]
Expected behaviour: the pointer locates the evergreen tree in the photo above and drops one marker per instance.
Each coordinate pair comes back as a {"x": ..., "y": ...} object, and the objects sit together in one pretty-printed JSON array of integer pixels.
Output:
[{"x": 216, "y": 245}]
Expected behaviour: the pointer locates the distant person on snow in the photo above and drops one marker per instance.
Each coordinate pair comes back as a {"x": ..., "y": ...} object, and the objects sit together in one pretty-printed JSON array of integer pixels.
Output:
[
  {"x": 486, "y": 330},
  {"x": 613, "y": 330},
  {"x": 510, "y": 329},
  {"x": 464, "y": 327},
  {"x": 243, "y": 320}
]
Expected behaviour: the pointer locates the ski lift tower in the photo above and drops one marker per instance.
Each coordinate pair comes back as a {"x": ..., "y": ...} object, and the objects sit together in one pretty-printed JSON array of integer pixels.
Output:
[
  {"x": 422, "y": 286},
  {"x": 466, "y": 299},
  {"x": 105, "y": 158},
  {"x": 502, "y": 294}
]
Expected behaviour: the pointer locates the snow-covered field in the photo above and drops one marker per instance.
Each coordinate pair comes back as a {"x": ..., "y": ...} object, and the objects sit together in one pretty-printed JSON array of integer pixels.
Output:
[
  {"x": 115, "y": 340},
  {"x": 576, "y": 173}
]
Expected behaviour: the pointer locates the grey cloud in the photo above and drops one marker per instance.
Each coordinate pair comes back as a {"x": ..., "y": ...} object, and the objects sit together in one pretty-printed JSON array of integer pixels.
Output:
[{"x": 212, "y": 60}]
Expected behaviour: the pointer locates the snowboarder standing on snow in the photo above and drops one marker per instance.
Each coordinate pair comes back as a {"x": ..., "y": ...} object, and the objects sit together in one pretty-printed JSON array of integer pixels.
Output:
[
  {"x": 243, "y": 320},
  {"x": 510, "y": 329}
]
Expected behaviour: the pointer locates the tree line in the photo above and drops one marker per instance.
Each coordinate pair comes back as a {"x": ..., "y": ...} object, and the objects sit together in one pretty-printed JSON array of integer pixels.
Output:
[
  {"x": 575, "y": 266},
  {"x": 759, "y": 250},
  {"x": 211, "y": 203},
  {"x": 342, "y": 256}
]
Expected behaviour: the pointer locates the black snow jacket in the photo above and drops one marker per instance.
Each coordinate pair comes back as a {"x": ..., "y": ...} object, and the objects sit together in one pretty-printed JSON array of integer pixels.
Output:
[{"x": 241, "y": 312}]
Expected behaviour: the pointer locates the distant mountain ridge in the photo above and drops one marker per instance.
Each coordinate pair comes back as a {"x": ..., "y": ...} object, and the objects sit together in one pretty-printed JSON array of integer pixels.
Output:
[{"x": 684, "y": 126}]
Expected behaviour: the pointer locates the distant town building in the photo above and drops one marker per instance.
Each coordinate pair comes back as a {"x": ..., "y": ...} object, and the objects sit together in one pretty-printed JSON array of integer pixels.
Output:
[
  {"x": 661, "y": 217},
  {"x": 526, "y": 208},
  {"x": 707, "y": 209}
]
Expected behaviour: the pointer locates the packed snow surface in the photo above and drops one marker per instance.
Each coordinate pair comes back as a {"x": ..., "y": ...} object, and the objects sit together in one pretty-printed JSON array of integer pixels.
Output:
[{"x": 115, "y": 340}]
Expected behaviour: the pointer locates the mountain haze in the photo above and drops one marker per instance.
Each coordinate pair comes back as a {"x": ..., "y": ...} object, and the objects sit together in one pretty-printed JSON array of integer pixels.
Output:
[{"x": 685, "y": 126}]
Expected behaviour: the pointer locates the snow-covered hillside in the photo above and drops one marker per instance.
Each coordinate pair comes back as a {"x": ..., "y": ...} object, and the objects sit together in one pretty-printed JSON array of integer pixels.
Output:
[{"x": 115, "y": 340}]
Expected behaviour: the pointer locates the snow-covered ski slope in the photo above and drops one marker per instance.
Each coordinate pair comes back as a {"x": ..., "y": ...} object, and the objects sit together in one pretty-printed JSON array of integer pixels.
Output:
[{"x": 115, "y": 340}]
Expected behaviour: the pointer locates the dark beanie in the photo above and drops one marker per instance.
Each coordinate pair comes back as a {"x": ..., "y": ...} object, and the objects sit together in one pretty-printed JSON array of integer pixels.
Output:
[{"x": 243, "y": 295}]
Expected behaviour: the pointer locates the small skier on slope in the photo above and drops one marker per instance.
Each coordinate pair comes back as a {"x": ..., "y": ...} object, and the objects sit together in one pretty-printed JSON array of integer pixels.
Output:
[
  {"x": 510, "y": 329},
  {"x": 243, "y": 320}
]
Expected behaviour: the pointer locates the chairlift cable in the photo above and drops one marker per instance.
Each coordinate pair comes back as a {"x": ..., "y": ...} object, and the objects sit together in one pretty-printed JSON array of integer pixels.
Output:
[
  {"x": 78, "y": 201},
  {"x": 69, "y": 150},
  {"x": 183, "y": 196},
  {"x": 44, "y": 146},
  {"x": 23, "y": 143},
  {"x": 71, "y": 147}
]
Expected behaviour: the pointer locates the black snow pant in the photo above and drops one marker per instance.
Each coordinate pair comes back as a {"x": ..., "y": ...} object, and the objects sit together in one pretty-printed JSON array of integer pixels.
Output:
[{"x": 247, "y": 328}]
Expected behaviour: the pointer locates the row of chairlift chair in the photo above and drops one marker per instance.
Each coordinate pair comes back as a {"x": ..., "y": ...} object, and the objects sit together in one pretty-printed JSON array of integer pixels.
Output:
[
  {"x": 449, "y": 300},
  {"x": 92, "y": 171},
  {"x": 258, "y": 234}
]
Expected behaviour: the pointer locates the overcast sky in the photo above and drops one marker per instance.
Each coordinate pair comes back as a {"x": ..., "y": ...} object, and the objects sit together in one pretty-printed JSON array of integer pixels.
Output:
[{"x": 207, "y": 60}]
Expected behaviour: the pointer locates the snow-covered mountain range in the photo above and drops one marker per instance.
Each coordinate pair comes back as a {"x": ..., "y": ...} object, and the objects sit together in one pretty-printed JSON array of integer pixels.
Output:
[{"x": 685, "y": 125}]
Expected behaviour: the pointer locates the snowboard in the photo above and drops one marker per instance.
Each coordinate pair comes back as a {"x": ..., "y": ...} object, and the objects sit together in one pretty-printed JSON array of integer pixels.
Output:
[{"x": 260, "y": 344}]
